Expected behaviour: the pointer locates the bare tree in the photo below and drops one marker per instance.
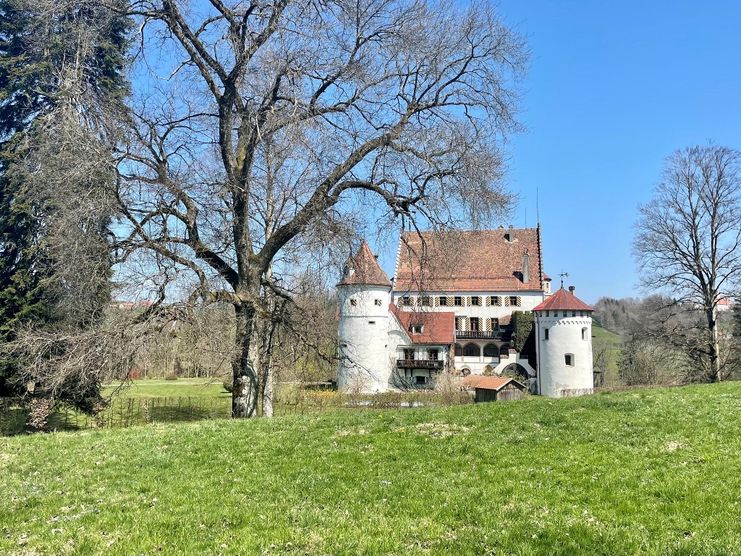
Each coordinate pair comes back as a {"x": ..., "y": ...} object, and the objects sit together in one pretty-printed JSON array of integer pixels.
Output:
[
  {"x": 688, "y": 240},
  {"x": 269, "y": 130}
]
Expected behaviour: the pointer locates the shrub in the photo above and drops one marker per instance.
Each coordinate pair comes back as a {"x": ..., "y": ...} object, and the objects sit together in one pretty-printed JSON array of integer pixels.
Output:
[{"x": 171, "y": 376}]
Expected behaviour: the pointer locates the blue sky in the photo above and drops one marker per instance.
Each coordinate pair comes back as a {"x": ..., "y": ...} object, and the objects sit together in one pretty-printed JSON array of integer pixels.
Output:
[{"x": 614, "y": 88}]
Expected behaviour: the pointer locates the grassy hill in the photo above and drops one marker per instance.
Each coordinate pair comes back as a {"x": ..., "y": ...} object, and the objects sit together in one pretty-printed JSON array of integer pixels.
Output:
[{"x": 654, "y": 471}]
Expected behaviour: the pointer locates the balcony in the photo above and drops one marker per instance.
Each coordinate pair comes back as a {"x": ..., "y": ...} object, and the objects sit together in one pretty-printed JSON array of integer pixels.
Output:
[
  {"x": 481, "y": 334},
  {"x": 419, "y": 364}
]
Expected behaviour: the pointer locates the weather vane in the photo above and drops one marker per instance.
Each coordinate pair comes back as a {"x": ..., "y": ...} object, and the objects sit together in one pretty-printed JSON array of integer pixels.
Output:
[{"x": 563, "y": 275}]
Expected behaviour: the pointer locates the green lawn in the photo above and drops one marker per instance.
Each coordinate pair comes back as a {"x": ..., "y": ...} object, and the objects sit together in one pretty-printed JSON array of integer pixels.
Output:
[{"x": 653, "y": 471}]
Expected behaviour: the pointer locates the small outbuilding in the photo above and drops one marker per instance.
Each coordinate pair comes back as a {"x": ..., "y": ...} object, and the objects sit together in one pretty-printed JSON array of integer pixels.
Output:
[{"x": 494, "y": 388}]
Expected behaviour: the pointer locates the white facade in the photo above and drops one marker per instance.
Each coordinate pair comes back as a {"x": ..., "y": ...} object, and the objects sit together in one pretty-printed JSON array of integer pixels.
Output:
[
  {"x": 564, "y": 351},
  {"x": 364, "y": 338},
  {"x": 477, "y": 316}
]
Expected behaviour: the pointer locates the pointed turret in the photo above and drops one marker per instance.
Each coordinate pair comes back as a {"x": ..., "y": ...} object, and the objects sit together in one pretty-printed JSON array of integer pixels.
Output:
[
  {"x": 363, "y": 269},
  {"x": 364, "y": 295}
]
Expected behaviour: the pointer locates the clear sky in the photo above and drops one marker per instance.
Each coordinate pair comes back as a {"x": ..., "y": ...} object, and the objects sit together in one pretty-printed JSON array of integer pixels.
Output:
[{"x": 614, "y": 88}]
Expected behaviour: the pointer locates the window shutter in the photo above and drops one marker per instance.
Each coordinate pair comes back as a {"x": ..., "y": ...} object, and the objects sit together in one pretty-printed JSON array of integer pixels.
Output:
[
  {"x": 506, "y": 301},
  {"x": 485, "y": 325},
  {"x": 519, "y": 301},
  {"x": 467, "y": 323},
  {"x": 436, "y": 300},
  {"x": 487, "y": 300}
]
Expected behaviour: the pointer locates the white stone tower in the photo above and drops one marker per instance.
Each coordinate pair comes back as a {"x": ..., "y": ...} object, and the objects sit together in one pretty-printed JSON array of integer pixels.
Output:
[
  {"x": 563, "y": 335},
  {"x": 364, "y": 296}
]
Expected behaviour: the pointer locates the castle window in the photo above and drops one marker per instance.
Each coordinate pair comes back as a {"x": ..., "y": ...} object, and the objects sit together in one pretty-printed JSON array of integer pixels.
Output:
[
  {"x": 494, "y": 324},
  {"x": 514, "y": 301},
  {"x": 546, "y": 333},
  {"x": 471, "y": 350},
  {"x": 378, "y": 302},
  {"x": 353, "y": 302},
  {"x": 584, "y": 333},
  {"x": 443, "y": 300},
  {"x": 406, "y": 300},
  {"x": 425, "y": 301},
  {"x": 458, "y": 350},
  {"x": 432, "y": 355},
  {"x": 417, "y": 329},
  {"x": 569, "y": 359},
  {"x": 475, "y": 300},
  {"x": 495, "y": 300},
  {"x": 474, "y": 324},
  {"x": 458, "y": 301}
]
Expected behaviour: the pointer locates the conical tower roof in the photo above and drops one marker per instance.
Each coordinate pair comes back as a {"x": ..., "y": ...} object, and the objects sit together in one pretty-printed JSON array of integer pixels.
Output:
[
  {"x": 363, "y": 269},
  {"x": 563, "y": 300}
]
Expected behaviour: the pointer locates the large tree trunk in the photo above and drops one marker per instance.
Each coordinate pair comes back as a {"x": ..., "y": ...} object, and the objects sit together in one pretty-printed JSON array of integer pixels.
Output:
[
  {"x": 714, "y": 347},
  {"x": 244, "y": 376}
]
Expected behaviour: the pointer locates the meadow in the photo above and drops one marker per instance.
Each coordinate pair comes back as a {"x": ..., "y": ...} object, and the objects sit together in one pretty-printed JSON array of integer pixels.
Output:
[{"x": 650, "y": 471}]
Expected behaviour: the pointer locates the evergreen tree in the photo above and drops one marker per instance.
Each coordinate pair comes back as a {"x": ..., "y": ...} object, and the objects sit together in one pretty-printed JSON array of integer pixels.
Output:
[{"x": 41, "y": 45}]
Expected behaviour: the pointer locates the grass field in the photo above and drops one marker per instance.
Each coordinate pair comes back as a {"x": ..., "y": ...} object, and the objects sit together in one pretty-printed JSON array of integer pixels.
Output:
[{"x": 654, "y": 471}]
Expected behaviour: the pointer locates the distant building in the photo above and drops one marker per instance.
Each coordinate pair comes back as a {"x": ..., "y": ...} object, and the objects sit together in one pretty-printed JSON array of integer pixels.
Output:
[{"x": 449, "y": 309}]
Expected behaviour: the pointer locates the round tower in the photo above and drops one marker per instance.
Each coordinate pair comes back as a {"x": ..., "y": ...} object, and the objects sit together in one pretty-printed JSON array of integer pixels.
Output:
[
  {"x": 364, "y": 295},
  {"x": 563, "y": 335}
]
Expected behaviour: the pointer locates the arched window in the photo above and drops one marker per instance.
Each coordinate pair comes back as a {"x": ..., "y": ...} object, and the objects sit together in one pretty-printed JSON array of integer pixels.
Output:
[
  {"x": 491, "y": 350},
  {"x": 458, "y": 350},
  {"x": 584, "y": 333},
  {"x": 471, "y": 350},
  {"x": 504, "y": 350}
]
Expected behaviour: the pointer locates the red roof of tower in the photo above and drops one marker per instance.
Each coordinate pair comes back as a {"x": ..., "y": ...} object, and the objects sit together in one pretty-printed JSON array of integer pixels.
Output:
[
  {"x": 363, "y": 268},
  {"x": 563, "y": 300},
  {"x": 437, "y": 327},
  {"x": 482, "y": 260}
]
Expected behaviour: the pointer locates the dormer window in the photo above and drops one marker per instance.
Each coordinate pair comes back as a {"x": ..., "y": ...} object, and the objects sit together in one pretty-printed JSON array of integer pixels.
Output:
[
  {"x": 508, "y": 237},
  {"x": 417, "y": 328}
]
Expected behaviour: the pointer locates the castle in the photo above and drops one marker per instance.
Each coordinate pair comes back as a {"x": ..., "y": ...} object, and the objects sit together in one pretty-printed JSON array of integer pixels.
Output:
[{"x": 457, "y": 303}]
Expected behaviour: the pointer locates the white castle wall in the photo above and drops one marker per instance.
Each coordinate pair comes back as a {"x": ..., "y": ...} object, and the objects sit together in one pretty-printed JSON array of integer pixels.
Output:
[
  {"x": 363, "y": 338},
  {"x": 555, "y": 378}
]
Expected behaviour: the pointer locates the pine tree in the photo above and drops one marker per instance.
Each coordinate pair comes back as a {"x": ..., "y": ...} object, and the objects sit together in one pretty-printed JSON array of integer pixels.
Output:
[{"x": 37, "y": 40}]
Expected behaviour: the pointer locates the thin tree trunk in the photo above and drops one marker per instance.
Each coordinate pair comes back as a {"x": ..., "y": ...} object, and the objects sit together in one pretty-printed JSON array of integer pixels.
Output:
[{"x": 244, "y": 377}]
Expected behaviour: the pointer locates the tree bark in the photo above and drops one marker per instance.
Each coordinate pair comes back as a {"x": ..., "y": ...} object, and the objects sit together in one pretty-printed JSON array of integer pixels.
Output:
[
  {"x": 714, "y": 348},
  {"x": 244, "y": 376}
]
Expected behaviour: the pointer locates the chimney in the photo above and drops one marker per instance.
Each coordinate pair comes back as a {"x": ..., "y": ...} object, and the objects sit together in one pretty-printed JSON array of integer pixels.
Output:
[
  {"x": 572, "y": 289},
  {"x": 526, "y": 268}
]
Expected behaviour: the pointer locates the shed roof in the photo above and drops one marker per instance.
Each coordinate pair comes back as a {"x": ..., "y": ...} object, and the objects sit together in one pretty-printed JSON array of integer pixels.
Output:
[{"x": 489, "y": 382}]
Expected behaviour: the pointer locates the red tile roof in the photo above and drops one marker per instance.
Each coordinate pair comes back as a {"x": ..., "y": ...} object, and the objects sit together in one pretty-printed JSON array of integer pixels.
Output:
[
  {"x": 563, "y": 300},
  {"x": 486, "y": 260},
  {"x": 437, "y": 327},
  {"x": 488, "y": 382},
  {"x": 363, "y": 268}
]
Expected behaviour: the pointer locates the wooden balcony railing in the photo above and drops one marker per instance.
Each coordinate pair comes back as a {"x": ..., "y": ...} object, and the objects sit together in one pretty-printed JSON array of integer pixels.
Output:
[
  {"x": 480, "y": 334},
  {"x": 419, "y": 364}
]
